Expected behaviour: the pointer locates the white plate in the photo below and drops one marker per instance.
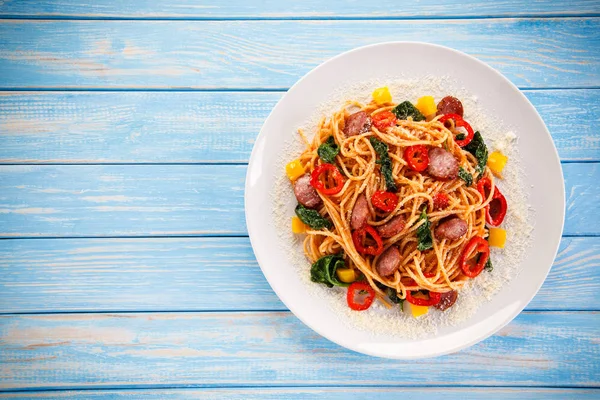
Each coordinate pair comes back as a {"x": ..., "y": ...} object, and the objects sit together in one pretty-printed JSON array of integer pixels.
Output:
[{"x": 543, "y": 180}]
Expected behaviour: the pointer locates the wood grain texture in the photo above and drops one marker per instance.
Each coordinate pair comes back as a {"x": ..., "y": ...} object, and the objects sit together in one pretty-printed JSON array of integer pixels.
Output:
[
  {"x": 319, "y": 393},
  {"x": 133, "y": 127},
  {"x": 204, "y": 274},
  {"x": 132, "y": 274},
  {"x": 117, "y": 200},
  {"x": 182, "y": 200},
  {"x": 292, "y": 9},
  {"x": 206, "y": 127},
  {"x": 274, "y": 54},
  {"x": 254, "y": 349}
]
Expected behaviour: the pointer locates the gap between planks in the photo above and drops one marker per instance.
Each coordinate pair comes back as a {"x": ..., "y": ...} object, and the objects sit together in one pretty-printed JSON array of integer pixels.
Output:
[
  {"x": 301, "y": 18},
  {"x": 188, "y": 387}
]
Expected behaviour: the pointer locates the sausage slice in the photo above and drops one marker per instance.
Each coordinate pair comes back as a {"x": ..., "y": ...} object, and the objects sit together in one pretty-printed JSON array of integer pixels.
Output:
[
  {"x": 305, "y": 193},
  {"x": 442, "y": 164},
  {"x": 357, "y": 123},
  {"x": 447, "y": 300},
  {"x": 391, "y": 228},
  {"x": 360, "y": 212},
  {"x": 389, "y": 261},
  {"x": 451, "y": 229},
  {"x": 450, "y": 105}
]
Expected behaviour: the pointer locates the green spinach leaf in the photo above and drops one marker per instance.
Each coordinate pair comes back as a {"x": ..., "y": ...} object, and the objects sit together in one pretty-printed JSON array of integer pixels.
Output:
[
  {"x": 386, "y": 163},
  {"x": 312, "y": 218},
  {"x": 478, "y": 148},
  {"x": 328, "y": 150},
  {"x": 424, "y": 233},
  {"x": 488, "y": 265},
  {"x": 323, "y": 270},
  {"x": 391, "y": 293},
  {"x": 407, "y": 109},
  {"x": 465, "y": 176}
]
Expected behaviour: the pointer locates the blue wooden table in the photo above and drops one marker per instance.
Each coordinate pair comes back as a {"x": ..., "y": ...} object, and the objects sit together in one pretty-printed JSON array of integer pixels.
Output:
[{"x": 125, "y": 266}]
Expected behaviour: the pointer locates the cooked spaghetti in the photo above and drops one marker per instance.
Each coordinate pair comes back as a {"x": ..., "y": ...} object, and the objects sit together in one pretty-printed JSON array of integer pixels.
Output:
[{"x": 411, "y": 223}]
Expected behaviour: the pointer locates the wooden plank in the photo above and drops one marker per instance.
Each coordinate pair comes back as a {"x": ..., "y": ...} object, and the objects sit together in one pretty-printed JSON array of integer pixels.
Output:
[
  {"x": 182, "y": 200},
  {"x": 326, "y": 393},
  {"x": 566, "y": 114},
  {"x": 291, "y": 9},
  {"x": 274, "y": 54},
  {"x": 204, "y": 274},
  {"x": 137, "y": 127},
  {"x": 253, "y": 349},
  {"x": 131, "y": 275},
  {"x": 133, "y": 127},
  {"x": 122, "y": 200}
]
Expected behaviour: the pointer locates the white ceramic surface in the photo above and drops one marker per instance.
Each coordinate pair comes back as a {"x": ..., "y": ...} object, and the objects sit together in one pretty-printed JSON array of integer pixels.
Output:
[{"x": 539, "y": 159}]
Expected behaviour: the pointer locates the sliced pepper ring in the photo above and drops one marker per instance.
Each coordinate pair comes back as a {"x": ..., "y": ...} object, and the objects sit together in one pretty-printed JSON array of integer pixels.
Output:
[
  {"x": 474, "y": 256},
  {"x": 496, "y": 209},
  {"x": 417, "y": 157},
  {"x": 459, "y": 122},
  {"x": 433, "y": 299},
  {"x": 360, "y": 296},
  {"x": 359, "y": 237},
  {"x": 385, "y": 201},
  {"x": 484, "y": 186},
  {"x": 334, "y": 174}
]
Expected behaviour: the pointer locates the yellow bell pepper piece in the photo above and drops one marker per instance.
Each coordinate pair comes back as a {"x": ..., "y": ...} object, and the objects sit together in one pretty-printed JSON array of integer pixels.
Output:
[
  {"x": 346, "y": 275},
  {"x": 382, "y": 95},
  {"x": 294, "y": 170},
  {"x": 497, "y": 237},
  {"x": 426, "y": 105},
  {"x": 496, "y": 162},
  {"x": 417, "y": 311},
  {"x": 298, "y": 226}
]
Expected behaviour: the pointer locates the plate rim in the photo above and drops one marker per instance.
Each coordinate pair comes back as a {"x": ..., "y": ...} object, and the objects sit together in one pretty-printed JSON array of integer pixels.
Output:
[{"x": 344, "y": 343}]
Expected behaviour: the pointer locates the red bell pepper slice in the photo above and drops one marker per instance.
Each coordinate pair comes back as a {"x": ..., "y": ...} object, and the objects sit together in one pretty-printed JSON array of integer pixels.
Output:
[
  {"x": 440, "y": 201},
  {"x": 417, "y": 157},
  {"x": 459, "y": 122},
  {"x": 484, "y": 186},
  {"x": 433, "y": 299},
  {"x": 385, "y": 201},
  {"x": 429, "y": 274},
  {"x": 495, "y": 211},
  {"x": 334, "y": 174},
  {"x": 360, "y": 296},
  {"x": 383, "y": 120},
  {"x": 359, "y": 237},
  {"x": 474, "y": 256}
]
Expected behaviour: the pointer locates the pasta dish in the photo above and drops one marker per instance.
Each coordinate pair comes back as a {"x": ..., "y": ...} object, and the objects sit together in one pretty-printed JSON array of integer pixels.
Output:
[{"x": 398, "y": 202}]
